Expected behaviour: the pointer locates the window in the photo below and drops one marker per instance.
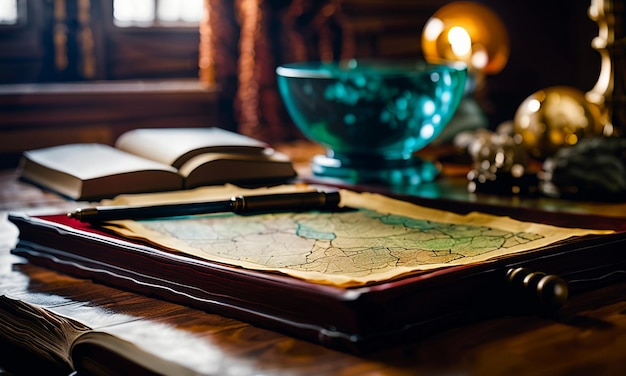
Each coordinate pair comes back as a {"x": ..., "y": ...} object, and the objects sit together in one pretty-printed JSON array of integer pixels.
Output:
[
  {"x": 66, "y": 63},
  {"x": 150, "y": 13},
  {"x": 8, "y": 12},
  {"x": 82, "y": 40}
]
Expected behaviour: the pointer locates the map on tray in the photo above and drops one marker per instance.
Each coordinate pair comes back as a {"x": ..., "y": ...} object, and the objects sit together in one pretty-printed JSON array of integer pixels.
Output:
[{"x": 378, "y": 238}]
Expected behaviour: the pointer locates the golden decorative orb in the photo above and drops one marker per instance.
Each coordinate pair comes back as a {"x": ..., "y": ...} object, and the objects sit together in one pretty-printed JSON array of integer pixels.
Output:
[
  {"x": 555, "y": 117},
  {"x": 468, "y": 32}
]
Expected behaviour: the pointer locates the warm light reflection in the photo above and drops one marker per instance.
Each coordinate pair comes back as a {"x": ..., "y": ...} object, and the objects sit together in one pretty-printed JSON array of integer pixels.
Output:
[
  {"x": 534, "y": 105},
  {"x": 480, "y": 58},
  {"x": 433, "y": 28},
  {"x": 460, "y": 41},
  {"x": 610, "y": 88},
  {"x": 467, "y": 32}
]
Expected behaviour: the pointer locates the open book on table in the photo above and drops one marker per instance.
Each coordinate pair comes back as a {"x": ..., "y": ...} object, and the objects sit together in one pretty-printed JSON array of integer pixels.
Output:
[
  {"x": 152, "y": 160},
  {"x": 71, "y": 343}
]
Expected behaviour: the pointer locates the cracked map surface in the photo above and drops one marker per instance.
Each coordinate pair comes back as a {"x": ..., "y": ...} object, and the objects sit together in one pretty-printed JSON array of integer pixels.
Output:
[{"x": 354, "y": 243}]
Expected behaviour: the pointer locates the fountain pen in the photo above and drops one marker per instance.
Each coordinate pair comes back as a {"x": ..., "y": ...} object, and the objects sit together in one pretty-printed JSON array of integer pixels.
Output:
[{"x": 280, "y": 202}]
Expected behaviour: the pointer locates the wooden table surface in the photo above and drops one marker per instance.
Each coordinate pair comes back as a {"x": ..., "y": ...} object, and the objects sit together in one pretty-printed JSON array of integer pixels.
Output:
[{"x": 588, "y": 336}]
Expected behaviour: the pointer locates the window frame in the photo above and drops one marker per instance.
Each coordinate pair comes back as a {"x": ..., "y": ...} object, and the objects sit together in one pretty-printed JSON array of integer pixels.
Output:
[{"x": 154, "y": 26}]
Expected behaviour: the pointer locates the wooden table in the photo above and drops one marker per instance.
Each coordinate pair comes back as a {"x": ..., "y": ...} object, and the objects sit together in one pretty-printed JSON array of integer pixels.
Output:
[{"x": 588, "y": 336}]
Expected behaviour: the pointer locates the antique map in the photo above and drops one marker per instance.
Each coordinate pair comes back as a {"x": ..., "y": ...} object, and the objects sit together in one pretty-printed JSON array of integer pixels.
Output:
[{"x": 377, "y": 238}]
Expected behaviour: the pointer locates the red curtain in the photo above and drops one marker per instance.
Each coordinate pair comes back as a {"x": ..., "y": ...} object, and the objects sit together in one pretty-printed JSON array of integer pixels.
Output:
[{"x": 242, "y": 43}]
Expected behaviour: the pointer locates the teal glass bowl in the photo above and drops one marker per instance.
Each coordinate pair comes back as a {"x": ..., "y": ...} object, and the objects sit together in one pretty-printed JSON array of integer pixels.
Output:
[{"x": 371, "y": 116}]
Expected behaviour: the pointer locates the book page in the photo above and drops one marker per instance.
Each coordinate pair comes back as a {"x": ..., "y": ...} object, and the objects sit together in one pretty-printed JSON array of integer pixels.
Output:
[
  {"x": 216, "y": 168},
  {"x": 90, "y": 161},
  {"x": 75, "y": 334},
  {"x": 55, "y": 334},
  {"x": 379, "y": 239},
  {"x": 93, "y": 171},
  {"x": 175, "y": 146},
  {"x": 90, "y": 351}
]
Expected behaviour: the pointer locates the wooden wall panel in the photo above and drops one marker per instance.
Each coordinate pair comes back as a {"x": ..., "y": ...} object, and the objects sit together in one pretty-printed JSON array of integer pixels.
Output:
[
  {"x": 23, "y": 48},
  {"x": 132, "y": 54},
  {"x": 41, "y": 115}
]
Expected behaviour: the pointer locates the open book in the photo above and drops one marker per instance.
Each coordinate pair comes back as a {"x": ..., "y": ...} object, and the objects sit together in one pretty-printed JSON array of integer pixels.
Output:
[
  {"x": 65, "y": 341},
  {"x": 154, "y": 160}
]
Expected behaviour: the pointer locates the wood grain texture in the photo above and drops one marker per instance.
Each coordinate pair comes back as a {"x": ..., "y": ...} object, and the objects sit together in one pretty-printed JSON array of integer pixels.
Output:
[
  {"x": 42, "y": 115},
  {"x": 588, "y": 336}
]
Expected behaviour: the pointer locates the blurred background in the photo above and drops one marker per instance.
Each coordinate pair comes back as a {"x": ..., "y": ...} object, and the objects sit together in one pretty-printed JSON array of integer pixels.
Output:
[{"x": 88, "y": 70}]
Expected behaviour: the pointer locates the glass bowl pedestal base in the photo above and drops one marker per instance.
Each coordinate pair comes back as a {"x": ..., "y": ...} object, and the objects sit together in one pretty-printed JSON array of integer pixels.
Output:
[{"x": 370, "y": 169}]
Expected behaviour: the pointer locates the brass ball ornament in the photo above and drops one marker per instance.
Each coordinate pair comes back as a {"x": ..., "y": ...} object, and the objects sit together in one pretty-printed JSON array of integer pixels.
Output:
[
  {"x": 555, "y": 117},
  {"x": 468, "y": 32}
]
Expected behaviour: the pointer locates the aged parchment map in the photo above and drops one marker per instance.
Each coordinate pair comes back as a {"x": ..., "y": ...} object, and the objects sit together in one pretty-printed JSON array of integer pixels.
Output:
[{"x": 380, "y": 238}]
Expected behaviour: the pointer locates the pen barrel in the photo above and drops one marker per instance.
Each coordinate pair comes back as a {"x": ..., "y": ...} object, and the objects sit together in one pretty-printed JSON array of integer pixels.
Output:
[
  {"x": 293, "y": 202},
  {"x": 110, "y": 213},
  {"x": 301, "y": 201}
]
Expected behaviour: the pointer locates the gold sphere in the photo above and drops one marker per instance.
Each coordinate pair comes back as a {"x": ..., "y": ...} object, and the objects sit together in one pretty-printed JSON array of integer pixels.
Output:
[
  {"x": 468, "y": 32},
  {"x": 555, "y": 117}
]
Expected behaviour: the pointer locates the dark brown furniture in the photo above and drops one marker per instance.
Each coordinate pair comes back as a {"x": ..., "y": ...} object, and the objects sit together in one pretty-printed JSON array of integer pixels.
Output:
[{"x": 587, "y": 335}]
